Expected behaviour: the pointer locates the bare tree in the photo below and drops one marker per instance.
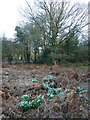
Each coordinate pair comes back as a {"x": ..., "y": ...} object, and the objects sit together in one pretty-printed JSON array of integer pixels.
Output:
[{"x": 57, "y": 19}]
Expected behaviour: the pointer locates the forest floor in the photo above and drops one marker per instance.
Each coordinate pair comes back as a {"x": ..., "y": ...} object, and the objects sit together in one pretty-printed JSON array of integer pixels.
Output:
[{"x": 18, "y": 82}]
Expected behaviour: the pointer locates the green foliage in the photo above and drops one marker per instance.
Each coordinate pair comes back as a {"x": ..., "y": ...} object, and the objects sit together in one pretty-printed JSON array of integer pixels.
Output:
[
  {"x": 51, "y": 91},
  {"x": 49, "y": 86},
  {"x": 34, "y": 80},
  {"x": 26, "y": 104},
  {"x": 70, "y": 86},
  {"x": 45, "y": 57},
  {"x": 40, "y": 99},
  {"x": 88, "y": 79},
  {"x": 81, "y": 96},
  {"x": 79, "y": 89},
  {"x": 67, "y": 90},
  {"x": 7, "y": 50},
  {"x": 35, "y": 103},
  {"x": 62, "y": 93},
  {"x": 50, "y": 95},
  {"x": 50, "y": 78},
  {"x": 44, "y": 79},
  {"x": 6, "y": 73},
  {"x": 52, "y": 84},
  {"x": 57, "y": 90},
  {"x": 45, "y": 86},
  {"x": 25, "y": 97}
]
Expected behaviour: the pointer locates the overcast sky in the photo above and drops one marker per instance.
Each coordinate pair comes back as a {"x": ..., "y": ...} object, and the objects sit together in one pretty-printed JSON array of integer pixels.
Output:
[{"x": 9, "y": 15}]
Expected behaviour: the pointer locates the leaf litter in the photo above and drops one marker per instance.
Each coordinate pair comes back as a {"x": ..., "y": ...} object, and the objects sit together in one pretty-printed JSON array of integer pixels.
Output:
[{"x": 64, "y": 95}]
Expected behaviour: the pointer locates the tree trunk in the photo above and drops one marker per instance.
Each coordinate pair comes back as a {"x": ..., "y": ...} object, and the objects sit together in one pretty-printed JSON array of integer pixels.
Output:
[
  {"x": 35, "y": 59},
  {"x": 25, "y": 56},
  {"x": 28, "y": 57},
  {"x": 10, "y": 58}
]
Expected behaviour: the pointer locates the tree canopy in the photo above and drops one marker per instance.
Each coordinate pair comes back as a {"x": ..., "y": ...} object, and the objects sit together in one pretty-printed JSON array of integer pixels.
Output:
[{"x": 52, "y": 32}]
